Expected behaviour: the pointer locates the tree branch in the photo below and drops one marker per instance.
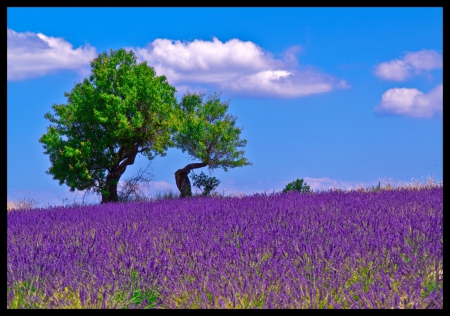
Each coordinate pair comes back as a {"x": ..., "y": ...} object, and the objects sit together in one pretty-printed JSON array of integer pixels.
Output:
[
  {"x": 191, "y": 166},
  {"x": 144, "y": 149}
]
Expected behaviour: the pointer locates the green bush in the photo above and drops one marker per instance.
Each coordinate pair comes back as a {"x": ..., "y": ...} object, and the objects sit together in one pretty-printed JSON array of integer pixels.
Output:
[
  {"x": 297, "y": 185},
  {"x": 203, "y": 181}
]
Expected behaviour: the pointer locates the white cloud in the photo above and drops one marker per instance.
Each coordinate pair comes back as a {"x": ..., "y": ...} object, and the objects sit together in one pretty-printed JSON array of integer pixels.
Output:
[
  {"x": 182, "y": 89},
  {"x": 161, "y": 185},
  {"x": 289, "y": 55},
  {"x": 326, "y": 183},
  {"x": 395, "y": 70},
  {"x": 424, "y": 59},
  {"x": 282, "y": 83},
  {"x": 35, "y": 54},
  {"x": 232, "y": 187},
  {"x": 411, "y": 102},
  {"x": 414, "y": 63},
  {"x": 235, "y": 65}
]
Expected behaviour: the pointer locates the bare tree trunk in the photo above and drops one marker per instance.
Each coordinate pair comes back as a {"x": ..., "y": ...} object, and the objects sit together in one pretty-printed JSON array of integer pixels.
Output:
[{"x": 182, "y": 179}]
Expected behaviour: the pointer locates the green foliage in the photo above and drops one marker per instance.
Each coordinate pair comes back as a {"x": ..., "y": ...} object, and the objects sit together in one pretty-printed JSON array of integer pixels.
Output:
[
  {"x": 203, "y": 181},
  {"x": 138, "y": 297},
  {"x": 297, "y": 185},
  {"x": 121, "y": 110},
  {"x": 208, "y": 133}
]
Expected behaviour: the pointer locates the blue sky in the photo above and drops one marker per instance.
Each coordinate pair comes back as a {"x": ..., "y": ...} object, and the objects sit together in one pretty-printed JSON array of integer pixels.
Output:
[{"x": 336, "y": 96}]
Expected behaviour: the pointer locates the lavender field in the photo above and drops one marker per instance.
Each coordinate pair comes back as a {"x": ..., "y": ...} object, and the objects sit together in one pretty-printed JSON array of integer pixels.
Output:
[{"x": 334, "y": 249}]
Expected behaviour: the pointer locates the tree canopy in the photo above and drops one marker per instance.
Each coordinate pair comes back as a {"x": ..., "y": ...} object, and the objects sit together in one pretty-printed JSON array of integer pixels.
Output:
[
  {"x": 122, "y": 109},
  {"x": 208, "y": 134}
]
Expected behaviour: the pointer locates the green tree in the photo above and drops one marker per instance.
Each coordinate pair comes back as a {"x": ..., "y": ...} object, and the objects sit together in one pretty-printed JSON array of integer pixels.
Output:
[
  {"x": 207, "y": 133},
  {"x": 204, "y": 183},
  {"x": 122, "y": 109},
  {"x": 297, "y": 185}
]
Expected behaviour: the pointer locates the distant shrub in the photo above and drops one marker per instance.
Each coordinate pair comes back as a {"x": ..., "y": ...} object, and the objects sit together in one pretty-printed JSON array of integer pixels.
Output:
[
  {"x": 204, "y": 183},
  {"x": 297, "y": 185},
  {"x": 377, "y": 187}
]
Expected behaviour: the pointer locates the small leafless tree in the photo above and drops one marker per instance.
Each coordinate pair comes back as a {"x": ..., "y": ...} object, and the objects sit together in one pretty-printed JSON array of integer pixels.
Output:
[{"x": 132, "y": 189}]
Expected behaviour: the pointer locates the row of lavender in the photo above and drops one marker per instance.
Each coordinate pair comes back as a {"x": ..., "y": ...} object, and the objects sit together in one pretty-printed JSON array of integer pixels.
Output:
[{"x": 326, "y": 250}]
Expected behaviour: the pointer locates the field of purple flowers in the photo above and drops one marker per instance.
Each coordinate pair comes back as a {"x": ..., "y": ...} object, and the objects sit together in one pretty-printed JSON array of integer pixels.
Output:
[{"x": 379, "y": 249}]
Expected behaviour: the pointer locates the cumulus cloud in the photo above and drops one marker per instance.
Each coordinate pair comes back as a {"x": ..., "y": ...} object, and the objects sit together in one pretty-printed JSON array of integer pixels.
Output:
[
  {"x": 411, "y": 102},
  {"x": 237, "y": 66},
  {"x": 414, "y": 63},
  {"x": 35, "y": 54}
]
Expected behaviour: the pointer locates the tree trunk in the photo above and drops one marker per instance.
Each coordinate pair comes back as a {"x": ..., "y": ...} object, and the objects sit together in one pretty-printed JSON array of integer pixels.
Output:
[
  {"x": 182, "y": 179},
  {"x": 112, "y": 179}
]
